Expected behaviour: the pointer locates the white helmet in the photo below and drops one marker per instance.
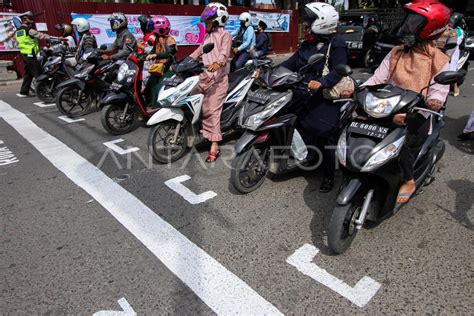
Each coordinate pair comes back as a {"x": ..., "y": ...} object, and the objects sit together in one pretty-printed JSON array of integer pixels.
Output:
[
  {"x": 215, "y": 12},
  {"x": 245, "y": 17},
  {"x": 322, "y": 17},
  {"x": 82, "y": 25}
]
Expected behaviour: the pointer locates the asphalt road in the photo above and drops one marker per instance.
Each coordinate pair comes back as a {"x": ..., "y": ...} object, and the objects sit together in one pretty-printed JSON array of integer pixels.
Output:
[{"x": 79, "y": 240}]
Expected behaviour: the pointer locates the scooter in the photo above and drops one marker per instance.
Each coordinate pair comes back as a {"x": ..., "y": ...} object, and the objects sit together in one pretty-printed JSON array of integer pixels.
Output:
[
  {"x": 271, "y": 142},
  {"x": 88, "y": 86},
  {"x": 54, "y": 71},
  {"x": 176, "y": 125},
  {"x": 368, "y": 149}
]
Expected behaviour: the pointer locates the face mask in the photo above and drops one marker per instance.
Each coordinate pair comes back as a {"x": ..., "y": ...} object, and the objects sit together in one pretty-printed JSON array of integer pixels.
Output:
[
  {"x": 309, "y": 37},
  {"x": 242, "y": 23}
]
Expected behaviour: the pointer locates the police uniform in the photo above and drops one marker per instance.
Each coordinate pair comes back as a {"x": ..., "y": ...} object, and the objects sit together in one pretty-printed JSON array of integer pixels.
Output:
[{"x": 29, "y": 48}]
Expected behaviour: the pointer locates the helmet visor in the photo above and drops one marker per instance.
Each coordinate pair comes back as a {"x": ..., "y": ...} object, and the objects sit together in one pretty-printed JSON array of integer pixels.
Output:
[
  {"x": 413, "y": 24},
  {"x": 308, "y": 16},
  {"x": 209, "y": 14}
]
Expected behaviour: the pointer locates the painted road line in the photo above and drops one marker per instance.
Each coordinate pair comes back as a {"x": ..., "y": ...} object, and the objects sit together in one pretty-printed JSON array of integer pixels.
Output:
[
  {"x": 7, "y": 157},
  {"x": 43, "y": 105},
  {"x": 176, "y": 185},
  {"x": 360, "y": 294},
  {"x": 216, "y": 286},
  {"x": 127, "y": 310},
  {"x": 70, "y": 120},
  {"x": 119, "y": 150}
]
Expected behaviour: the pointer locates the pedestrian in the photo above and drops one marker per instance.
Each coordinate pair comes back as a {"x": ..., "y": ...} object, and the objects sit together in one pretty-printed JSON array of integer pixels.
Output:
[
  {"x": 28, "y": 39},
  {"x": 214, "y": 81}
]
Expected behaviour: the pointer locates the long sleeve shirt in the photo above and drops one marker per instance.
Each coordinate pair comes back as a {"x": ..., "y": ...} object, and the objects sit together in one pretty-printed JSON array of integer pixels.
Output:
[
  {"x": 124, "y": 40},
  {"x": 248, "y": 41},
  {"x": 382, "y": 75},
  {"x": 262, "y": 42}
]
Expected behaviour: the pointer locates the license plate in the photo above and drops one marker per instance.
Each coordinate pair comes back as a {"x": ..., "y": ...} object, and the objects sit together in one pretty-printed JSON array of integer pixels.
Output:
[
  {"x": 354, "y": 44},
  {"x": 371, "y": 130}
]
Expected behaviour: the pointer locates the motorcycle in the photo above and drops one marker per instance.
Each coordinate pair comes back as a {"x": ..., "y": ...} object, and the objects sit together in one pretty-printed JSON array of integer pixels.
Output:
[
  {"x": 368, "y": 149},
  {"x": 54, "y": 71},
  {"x": 88, "y": 86},
  {"x": 271, "y": 142},
  {"x": 176, "y": 125}
]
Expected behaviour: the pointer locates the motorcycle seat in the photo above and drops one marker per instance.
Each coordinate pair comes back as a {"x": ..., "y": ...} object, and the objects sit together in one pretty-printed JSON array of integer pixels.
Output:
[{"x": 236, "y": 77}]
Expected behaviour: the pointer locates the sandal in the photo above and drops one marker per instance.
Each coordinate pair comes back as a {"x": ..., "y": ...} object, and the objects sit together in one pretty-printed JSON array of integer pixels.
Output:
[
  {"x": 326, "y": 185},
  {"x": 212, "y": 156},
  {"x": 404, "y": 195}
]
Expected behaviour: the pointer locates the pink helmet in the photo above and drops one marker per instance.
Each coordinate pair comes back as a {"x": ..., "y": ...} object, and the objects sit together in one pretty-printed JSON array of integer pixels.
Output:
[{"x": 161, "y": 25}]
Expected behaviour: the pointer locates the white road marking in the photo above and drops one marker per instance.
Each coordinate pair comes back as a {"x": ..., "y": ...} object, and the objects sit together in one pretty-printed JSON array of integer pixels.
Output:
[
  {"x": 188, "y": 195},
  {"x": 119, "y": 150},
  {"x": 43, "y": 105},
  {"x": 360, "y": 294},
  {"x": 7, "y": 157},
  {"x": 70, "y": 120},
  {"x": 127, "y": 310},
  {"x": 216, "y": 286}
]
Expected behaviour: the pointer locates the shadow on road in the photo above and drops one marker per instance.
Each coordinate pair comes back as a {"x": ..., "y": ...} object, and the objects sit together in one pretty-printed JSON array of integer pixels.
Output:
[{"x": 464, "y": 202}]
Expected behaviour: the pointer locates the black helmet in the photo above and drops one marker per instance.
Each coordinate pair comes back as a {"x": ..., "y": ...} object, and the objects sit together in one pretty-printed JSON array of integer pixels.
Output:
[{"x": 146, "y": 24}]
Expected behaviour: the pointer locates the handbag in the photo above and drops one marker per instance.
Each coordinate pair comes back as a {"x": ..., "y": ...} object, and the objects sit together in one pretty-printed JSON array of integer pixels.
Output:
[
  {"x": 345, "y": 84},
  {"x": 157, "y": 69}
]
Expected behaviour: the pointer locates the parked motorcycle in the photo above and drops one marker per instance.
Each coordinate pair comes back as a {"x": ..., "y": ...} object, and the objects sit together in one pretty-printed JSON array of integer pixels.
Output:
[
  {"x": 271, "y": 142},
  {"x": 54, "y": 71},
  {"x": 176, "y": 125},
  {"x": 88, "y": 86},
  {"x": 368, "y": 149}
]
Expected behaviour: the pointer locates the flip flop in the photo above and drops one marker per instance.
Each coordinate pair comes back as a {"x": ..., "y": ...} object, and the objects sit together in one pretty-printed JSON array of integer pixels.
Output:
[
  {"x": 212, "y": 156},
  {"x": 409, "y": 195}
]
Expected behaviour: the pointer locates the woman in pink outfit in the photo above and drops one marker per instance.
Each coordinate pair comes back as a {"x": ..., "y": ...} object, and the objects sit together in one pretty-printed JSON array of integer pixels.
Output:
[{"x": 214, "y": 82}]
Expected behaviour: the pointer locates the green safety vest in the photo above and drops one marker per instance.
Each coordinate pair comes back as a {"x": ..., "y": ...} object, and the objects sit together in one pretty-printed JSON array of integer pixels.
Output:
[{"x": 26, "y": 44}]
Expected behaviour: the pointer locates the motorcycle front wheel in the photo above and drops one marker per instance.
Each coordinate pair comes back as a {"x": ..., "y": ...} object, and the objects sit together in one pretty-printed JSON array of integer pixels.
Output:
[
  {"x": 250, "y": 168},
  {"x": 73, "y": 102},
  {"x": 162, "y": 143},
  {"x": 44, "y": 92},
  {"x": 342, "y": 227},
  {"x": 116, "y": 122}
]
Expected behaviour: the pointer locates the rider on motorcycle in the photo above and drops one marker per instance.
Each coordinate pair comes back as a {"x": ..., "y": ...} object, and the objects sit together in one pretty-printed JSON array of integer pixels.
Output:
[
  {"x": 413, "y": 66},
  {"x": 87, "y": 40},
  {"x": 318, "y": 117},
  {"x": 244, "y": 42},
  {"x": 125, "y": 42}
]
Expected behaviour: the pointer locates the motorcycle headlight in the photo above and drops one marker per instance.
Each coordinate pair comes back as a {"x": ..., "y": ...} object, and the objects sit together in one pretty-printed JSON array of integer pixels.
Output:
[
  {"x": 384, "y": 155},
  {"x": 341, "y": 148},
  {"x": 122, "y": 72},
  {"x": 254, "y": 121},
  {"x": 377, "y": 107},
  {"x": 84, "y": 72}
]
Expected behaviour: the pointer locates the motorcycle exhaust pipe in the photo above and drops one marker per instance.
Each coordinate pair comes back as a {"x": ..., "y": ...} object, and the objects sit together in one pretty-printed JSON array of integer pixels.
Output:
[{"x": 365, "y": 207}]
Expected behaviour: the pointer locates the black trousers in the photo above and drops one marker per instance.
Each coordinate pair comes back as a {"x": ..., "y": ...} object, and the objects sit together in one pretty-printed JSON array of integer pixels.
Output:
[
  {"x": 32, "y": 70},
  {"x": 417, "y": 131}
]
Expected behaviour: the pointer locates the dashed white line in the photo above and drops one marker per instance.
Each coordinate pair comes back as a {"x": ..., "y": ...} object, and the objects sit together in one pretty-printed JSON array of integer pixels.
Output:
[
  {"x": 216, "y": 286},
  {"x": 193, "y": 198},
  {"x": 119, "y": 150},
  {"x": 70, "y": 120},
  {"x": 360, "y": 294},
  {"x": 44, "y": 105}
]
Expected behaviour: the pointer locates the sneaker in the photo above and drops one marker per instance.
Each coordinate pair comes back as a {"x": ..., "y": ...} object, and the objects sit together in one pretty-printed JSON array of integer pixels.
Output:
[
  {"x": 23, "y": 95},
  {"x": 464, "y": 136}
]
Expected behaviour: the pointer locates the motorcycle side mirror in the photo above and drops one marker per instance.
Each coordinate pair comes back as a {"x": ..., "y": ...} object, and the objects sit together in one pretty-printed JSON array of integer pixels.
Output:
[
  {"x": 316, "y": 58},
  {"x": 449, "y": 77},
  {"x": 207, "y": 48},
  {"x": 103, "y": 47},
  {"x": 344, "y": 70}
]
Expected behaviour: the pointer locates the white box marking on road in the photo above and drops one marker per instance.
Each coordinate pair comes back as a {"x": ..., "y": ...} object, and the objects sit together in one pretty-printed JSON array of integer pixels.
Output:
[
  {"x": 360, "y": 294},
  {"x": 193, "y": 198},
  {"x": 43, "y": 105},
  {"x": 119, "y": 150},
  {"x": 7, "y": 157},
  {"x": 217, "y": 287},
  {"x": 127, "y": 310},
  {"x": 70, "y": 120}
]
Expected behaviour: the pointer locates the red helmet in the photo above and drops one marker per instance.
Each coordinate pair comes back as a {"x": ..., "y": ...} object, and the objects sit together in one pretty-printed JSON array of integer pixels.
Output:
[{"x": 426, "y": 19}]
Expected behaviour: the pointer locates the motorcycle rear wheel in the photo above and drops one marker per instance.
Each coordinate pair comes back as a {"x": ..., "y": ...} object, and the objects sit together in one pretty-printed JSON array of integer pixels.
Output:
[
  {"x": 44, "y": 93},
  {"x": 112, "y": 121},
  {"x": 342, "y": 227},
  {"x": 250, "y": 168},
  {"x": 160, "y": 142},
  {"x": 73, "y": 102}
]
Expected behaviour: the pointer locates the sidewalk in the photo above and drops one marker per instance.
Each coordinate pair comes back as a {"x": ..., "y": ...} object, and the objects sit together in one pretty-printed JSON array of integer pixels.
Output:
[{"x": 11, "y": 83}]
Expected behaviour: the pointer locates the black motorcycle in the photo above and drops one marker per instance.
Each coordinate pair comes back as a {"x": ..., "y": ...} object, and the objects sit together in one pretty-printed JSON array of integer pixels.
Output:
[
  {"x": 368, "y": 149},
  {"x": 54, "y": 71},
  {"x": 271, "y": 142},
  {"x": 88, "y": 86}
]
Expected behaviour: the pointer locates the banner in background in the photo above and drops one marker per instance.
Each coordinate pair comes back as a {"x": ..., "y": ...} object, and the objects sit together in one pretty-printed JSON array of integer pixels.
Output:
[
  {"x": 187, "y": 30},
  {"x": 7, "y": 34}
]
